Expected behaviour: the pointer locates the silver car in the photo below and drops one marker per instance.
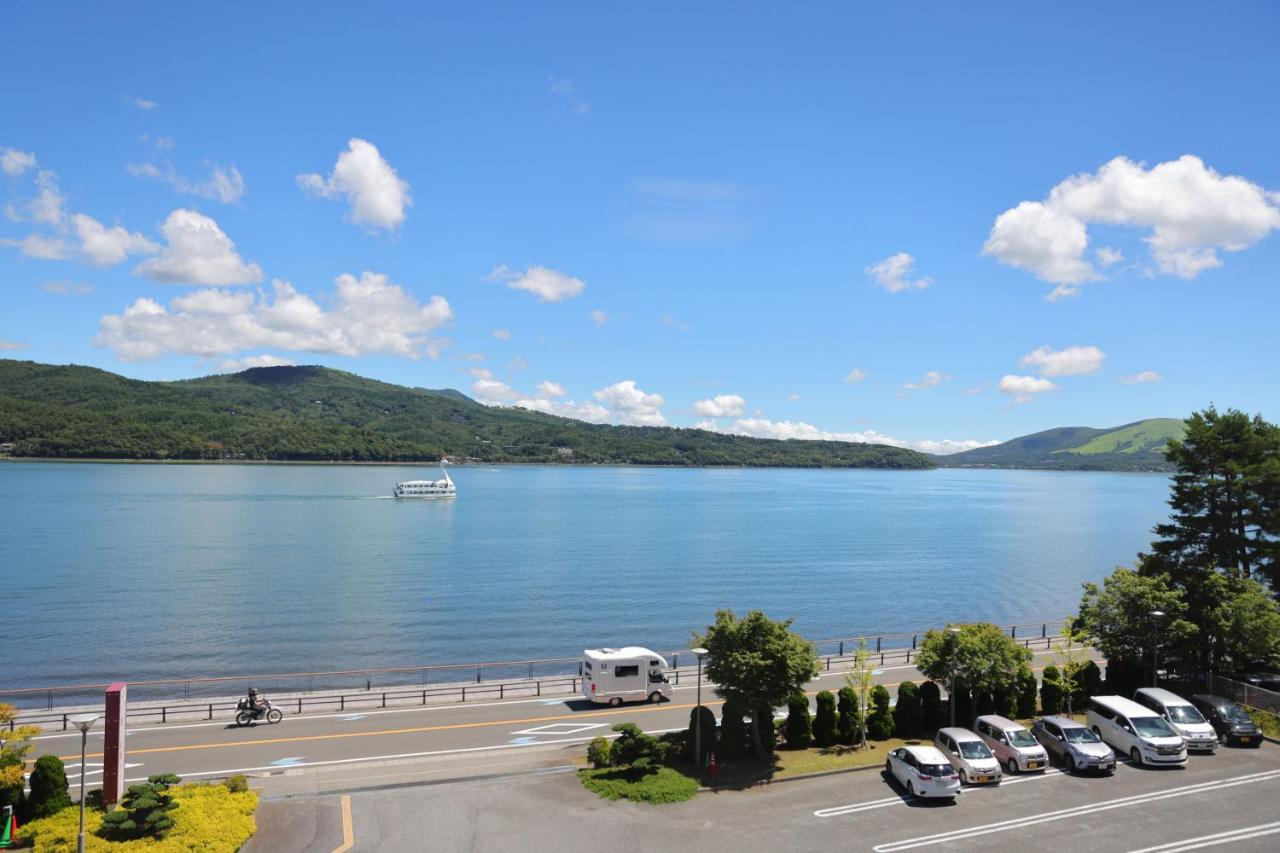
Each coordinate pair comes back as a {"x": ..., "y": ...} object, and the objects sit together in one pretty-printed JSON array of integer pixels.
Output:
[
  {"x": 971, "y": 758},
  {"x": 1013, "y": 745},
  {"x": 1074, "y": 744}
]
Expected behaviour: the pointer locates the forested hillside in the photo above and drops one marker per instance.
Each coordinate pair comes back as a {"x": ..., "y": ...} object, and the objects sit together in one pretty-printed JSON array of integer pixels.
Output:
[{"x": 1133, "y": 447}]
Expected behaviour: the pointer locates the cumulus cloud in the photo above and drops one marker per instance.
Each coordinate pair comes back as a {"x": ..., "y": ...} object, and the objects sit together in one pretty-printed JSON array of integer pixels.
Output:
[
  {"x": 47, "y": 207},
  {"x": 894, "y": 274},
  {"x": 224, "y": 184},
  {"x": 11, "y": 345},
  {"x": 377, "y": 195},
  {"x": 106, "y": 247},
  {"x": 1107, "y": 256},
  {"x": 67, "y": 288},
  {"x": 720, "y": 406},
  {"x": 1071, "y": 361},
  {"x": 235, "y": 365},
  {"x": 801, "y": 431},
  {"x": 14, "y": 162},
  {"x": 855, "y": 376},
  {"x": 931, "y": 379},
  {"x": 41, "y": 247},
  {"x": 1024, "y": 388},
  {"x": 368, "y": 314},
  {"x": 198, "y": 252},
  {"x": 632, "y": 406},
  {"x": 548, "y": 389},
  {"x": 491, "y": 391},
  {"x": 1188, "y": 211},
  {"x": 599, "y": 317},
  {"x": 1139, "y": 378},
  {"x": 546, "y": 284}
]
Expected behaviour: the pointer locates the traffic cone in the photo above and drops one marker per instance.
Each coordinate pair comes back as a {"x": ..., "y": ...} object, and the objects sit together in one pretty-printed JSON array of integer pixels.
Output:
[{"x": 713, "y": 768}]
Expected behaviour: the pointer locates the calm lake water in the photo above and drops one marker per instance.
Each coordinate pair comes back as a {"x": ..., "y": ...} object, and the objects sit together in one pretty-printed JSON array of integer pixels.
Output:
[{"x": 153, "y": 571}]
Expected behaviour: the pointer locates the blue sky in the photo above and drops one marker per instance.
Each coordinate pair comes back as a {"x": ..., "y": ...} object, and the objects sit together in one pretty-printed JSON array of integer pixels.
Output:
[{"x": 919, "y": 224}]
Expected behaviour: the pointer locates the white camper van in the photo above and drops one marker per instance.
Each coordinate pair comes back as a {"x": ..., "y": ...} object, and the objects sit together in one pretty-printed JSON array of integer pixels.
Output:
[{"x": 632, "y": 674}]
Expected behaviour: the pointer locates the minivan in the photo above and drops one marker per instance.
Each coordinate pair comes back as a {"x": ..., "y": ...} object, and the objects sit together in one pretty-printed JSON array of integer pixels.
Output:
[
  {"x": 1016, "y": 747},
  {"x": 1182, "y": 715},
  {"x": 1136, "y": 731},
  {"x": 1228, "y": 719},
  {"x": 968, "y": 754}
]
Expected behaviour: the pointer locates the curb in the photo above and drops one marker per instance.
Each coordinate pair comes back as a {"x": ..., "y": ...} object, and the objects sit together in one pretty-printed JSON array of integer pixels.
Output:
[
  {"x": 423, "y": 783},
  {"x": 815, "y": 775}
]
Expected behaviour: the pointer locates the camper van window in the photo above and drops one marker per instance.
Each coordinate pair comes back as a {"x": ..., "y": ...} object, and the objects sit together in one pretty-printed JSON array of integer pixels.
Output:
[
  {"x": 586, "y": 664},
  {"x": 626, "y": 671},
  {"x": 655, "y": 663},
  {"x": 656, "y": 678}
]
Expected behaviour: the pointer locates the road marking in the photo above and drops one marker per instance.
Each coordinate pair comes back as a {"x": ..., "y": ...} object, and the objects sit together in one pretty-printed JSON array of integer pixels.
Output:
[
  {"x": 904, "y": 798},
  {"x": 353, "y": 717},
  {"x": 1228, "y": 837},
  {"x": 1078, "y": 811},
  {"x": 560, "y": 729},
  {"x": 292, "y": 761},
  {"x": 523, "y": 741},
  {"x": 348, "y": 833}
]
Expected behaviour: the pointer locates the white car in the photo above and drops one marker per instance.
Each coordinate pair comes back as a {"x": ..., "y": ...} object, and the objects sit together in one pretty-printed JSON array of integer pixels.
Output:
[{"x": 923, "y": 771}]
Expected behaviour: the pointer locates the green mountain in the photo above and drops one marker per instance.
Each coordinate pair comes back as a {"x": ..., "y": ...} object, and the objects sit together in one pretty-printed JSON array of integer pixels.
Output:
[
  {"x": 319, "y": 414},
  {"x": 1133, "y": 447}
]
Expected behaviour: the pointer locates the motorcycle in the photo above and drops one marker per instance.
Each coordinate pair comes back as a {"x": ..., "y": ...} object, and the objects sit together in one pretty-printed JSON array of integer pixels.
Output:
[{"x": 247, "y": 715}]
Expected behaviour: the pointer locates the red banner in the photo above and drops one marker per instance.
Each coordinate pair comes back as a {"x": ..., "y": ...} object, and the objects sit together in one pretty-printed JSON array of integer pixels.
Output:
[{"x": 113, "y": 754}]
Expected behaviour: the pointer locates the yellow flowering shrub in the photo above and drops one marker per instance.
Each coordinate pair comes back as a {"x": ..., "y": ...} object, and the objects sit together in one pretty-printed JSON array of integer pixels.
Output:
[{"x": 208, "y": 819}]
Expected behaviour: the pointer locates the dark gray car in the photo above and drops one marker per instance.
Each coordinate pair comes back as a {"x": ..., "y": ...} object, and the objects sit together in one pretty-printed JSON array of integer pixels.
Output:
[{"x": 1074, "y": 744}]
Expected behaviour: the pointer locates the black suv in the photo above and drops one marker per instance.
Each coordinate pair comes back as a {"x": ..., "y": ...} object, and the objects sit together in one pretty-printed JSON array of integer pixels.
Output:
[{"x": 1228, "y": 719}]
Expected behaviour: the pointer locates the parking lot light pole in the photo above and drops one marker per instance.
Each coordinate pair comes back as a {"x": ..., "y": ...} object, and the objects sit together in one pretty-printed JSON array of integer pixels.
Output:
[
  {"x": 951, "y": 689},
  {"x": 83, "y": 722},
  {"x": 1156, "y": 615},
  {"x": 699, "y": 653}
]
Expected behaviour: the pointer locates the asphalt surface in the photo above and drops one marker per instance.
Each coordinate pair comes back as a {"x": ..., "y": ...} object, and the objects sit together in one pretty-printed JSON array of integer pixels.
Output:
[
  {"x": 393, "y": 736},
  {"x": 1220, "y": 802}
]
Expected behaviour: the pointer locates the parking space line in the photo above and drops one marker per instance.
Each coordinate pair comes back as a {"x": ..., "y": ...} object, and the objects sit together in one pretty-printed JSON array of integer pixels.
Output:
[
  {"x": 1228, "y": 837},
  {"x": 853, "y": 808}
]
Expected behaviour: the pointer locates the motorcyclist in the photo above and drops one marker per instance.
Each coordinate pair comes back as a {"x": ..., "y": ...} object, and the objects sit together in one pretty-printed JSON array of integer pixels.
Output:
[{"x": 257, "y": 702}]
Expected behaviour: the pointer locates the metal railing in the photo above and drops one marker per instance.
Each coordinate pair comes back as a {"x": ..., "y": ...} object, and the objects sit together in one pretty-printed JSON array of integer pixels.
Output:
[{"x": 1245, "y": 694}]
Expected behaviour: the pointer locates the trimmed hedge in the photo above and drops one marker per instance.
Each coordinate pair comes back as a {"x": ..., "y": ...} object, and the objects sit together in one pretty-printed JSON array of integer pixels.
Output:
[
  {"x": 933, "y": 709},
  {"x": 908, "y": 714},
  {"x": 1050, "y": 691},
  {"x": 825, "y": 725},
  {"x": 735, "y": 740},
  {"x": 850, "y": 719},
  {"x": 880, "y": 720},
  {"x": 702, "y": 717},
  {"x": 1026, "y": 694},
  {"x": 48, "y": 788},
  {"x": 799, "y": 723}
]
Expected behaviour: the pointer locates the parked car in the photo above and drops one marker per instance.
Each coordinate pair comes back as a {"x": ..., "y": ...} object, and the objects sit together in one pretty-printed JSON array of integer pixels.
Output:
[
  {"x": 1013, "y": 745},
  {"x": 923, "y": 771},
  {"x": 1182, "y": 715},
  {"x": 1136, "y": 731},
  {"x": 1074, "y": 744},
  {"x": 969, "y": 755},
  {"x": 1265, "y": 680},
  {"x": 1228, "y": 719}
]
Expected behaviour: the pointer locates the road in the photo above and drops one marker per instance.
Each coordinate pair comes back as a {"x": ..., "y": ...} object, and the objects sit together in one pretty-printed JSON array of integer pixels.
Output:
[{"x": 217, "y": 749}]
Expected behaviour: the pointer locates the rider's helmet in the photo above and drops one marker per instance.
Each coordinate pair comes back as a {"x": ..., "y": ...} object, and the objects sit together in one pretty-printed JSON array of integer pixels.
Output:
[{"x": 253, "y": 692}]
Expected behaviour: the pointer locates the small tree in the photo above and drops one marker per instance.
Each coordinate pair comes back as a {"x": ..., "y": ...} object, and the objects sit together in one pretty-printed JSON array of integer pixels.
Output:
[
  {"x": 981, "y": 656},
  {"x": 599, "y": 752},
  {"x": 1051, "y": 691},
  {"x": 825, "y": 725},
  {"x": 880, "y": 724},
  {"x": 1026, "y": 694},
  {"x": 859, "y": 680},
  {"x": 15, "y": 745},
  {"x": 850, "y": 718},
  {"x": 908, "y": 714},
  {"x": 933, "y": 710},
  {"x": 48, "y": 788},
  {"x": 1090, "y": 684},
  {"x": 964, "y": 703},
  {"x": 733, "y": 730},
  {"x": 762, "y": 725},
  {"x": 637, "y": 750},
  {"x": 700, "y": 716},
  {"x": 1118, "y": 617},
  {"x": 799, "y": 723},
  {"x": 144, "y": 810}
]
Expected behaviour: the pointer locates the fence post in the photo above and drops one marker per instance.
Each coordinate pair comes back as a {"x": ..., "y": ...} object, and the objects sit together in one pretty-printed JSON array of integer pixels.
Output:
[
  {"x": 1044, "y": 631},
  {"x": 1013, "y": 632},
  {"x": 64, "y": 722},
  {"x": 878, "y": 648},
  {"x": 211, "y": 710},
  {"x": 842, "y": 648},
  {"x": 424, "y": 697},
  {"x": 164, "y": 713},
  {"x": 500, "y": 689},
  {"x": 908, "y": 656},
  {"x": 675, "y": 661},
  {"x": 299, "y": 704},
  {"x": 342, "y": 702},
  {"x": 464, "y": 693},
  {"x": 828, "y": 664},
  {"x": 539, "y": 688},
  {"x": 477, "y": 675},
  {"x": 384, "y": 700},
  {"x": 914, "y": 637},
  {"x": 882, "y": 658}
]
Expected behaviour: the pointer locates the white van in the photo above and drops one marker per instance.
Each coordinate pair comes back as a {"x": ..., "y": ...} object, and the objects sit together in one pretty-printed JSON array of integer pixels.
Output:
[
  {"x": 631, "y": 674},
  {"x": 1182, "y": 715},
  {"x": 1135, "y": 731}
]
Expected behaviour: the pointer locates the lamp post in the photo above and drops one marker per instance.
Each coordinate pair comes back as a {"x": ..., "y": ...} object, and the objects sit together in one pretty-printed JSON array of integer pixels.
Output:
[
  {"x": 954, "y": 634},
  {"x": 699, "y": 653},
  {"x": 83, "y": 722},
  {"x": 1155, "y": 615}
]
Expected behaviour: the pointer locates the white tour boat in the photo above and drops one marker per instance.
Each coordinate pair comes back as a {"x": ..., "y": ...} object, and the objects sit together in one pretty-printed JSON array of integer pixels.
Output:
[{"x": 442, "y": 488}]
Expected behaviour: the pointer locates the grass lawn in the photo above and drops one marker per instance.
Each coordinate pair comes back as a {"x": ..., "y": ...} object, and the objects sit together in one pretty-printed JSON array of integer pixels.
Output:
[
  {"x": 1268, "y": 722},
  {"x": 666, "y": 785}
]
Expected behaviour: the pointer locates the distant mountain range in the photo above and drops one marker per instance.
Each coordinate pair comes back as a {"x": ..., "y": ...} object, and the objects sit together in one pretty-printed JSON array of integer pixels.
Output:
[{"x": 1133, "y": 447}]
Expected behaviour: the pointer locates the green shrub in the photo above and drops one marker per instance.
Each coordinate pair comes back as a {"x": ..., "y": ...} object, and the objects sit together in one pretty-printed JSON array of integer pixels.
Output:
[
  {"x": 600, "y": 752},
  {"x": 963, "y": 705},
  {"x": 48, "y": 788},
  {"x": 1026, "y": 694},
  {"x": 880, "y": 720},
  {"x": 733, "y": 731},
  {"x": 1050, "y": 691},
  {"x": 778, "y": 730},
  {"x": 702, "y": 717},
  {"x": 144, "y": 810},
  {"x": 799, "y": 723},
  {"x": 664, "y": 785},
  {"x": 1007, "y": 703},
  {"x": 825, "y": 724},
  {"x": 633, "y": 748},
  {"x": 908, "y": 714},
  {"x": 850, "y": 719},
  {"x": 768, "y": 729},
  {"x": 676, "y": 749},
  {"x": 986, "y": 704},
  {"x": 933, "y": 711},
  {"x": 1089, "y": 684},
  {"x": 237, "y": 784}
]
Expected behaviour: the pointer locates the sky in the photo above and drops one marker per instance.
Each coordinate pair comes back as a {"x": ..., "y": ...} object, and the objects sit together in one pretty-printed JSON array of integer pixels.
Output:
[{"x": 933, "y": 225}]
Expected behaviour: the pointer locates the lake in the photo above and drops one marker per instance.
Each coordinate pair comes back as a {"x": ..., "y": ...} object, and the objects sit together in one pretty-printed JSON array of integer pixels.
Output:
[{"x": 138, "y": 571}]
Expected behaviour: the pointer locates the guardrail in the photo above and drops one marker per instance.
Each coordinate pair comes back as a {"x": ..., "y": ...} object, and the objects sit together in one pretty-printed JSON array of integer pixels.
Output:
[
  {"x": 459, "y": 692},
  {"x": 1245, "y": 694}
]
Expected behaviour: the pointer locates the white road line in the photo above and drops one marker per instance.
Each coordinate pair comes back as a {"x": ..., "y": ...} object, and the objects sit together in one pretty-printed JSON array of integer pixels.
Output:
[
  {"x": 1062, "y": 814},
  {"x": 853, "y": 808},
  {"x": 1228, "y": 837}
]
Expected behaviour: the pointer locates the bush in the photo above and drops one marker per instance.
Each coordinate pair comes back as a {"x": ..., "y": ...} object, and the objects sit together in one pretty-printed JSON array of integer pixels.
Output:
[
  {"x": 635, "y": 749},
  {"x": 700, "y": 716},
  {"x": 733, "y": 731},
  {"x": 986, "y": 704},
  {"x": 1089, "y": 680},
  {"x": 236, "y": 784},
  {"x": 825, "y": 724},
  {"x": 676, "y": 749},
  {"x": 1124, "y": 677},
  {"x": 880, "y": 720},
  {"x": 933, "y": 712},
  {"x": 799, "y": 724},
  {"x": 144, "y": 810},
  {"x": 1050, "y": 691},
  {"x": 768, "y": 730},
  {"x": 664, "y": 785},
  {"x": 963, "y": 704},
  {"x": 908, "y": 714},
  {"x": 48, "y": 788},
  {"x": 599, "y": 753},
  {"x": 1026, "y": 694},
  {"x": 850, "y": 719},
  {"x": 1006, "y": 703}
]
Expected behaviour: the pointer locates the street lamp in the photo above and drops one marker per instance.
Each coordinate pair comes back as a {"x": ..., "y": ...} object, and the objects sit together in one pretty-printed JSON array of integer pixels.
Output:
[
  {"x": 1155, "y": 647},
  {"x": 83, "y": 722},
  {"x": 699, "y": 653},
  {"x": 951, "y": 689}
]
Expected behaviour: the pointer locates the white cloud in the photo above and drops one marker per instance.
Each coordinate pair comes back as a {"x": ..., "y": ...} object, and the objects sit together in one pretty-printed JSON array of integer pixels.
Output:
[
  {"x": 517, "y": 363},
  {"x": 564, "y": 90},
  {"x": 1071, "y": 361},
  {"x": 14, "y": 162},
  {"x": 489, "y": 390},
  {"x": 599, "y": 317},
  {"x": 224, "y": 184},
  {"x": 46, "y": 207},
  {"x": 368, "y": 315},
  {"x": 793, "y": 397},
  {"x": 198, "y": 253},
  {"x": 631, "y": 405},
  {"x": 856, "y": 375},
  {"x": 11, "y": 345},
  {"x": 720, "y": 406},
  {"x": 893, "y": 274},
  {"x": 931, "y": 379},
  {"x": 502, "y": 334},
  {"x": 1139, "y": 378},
  {"x": 547, "y": 284},
  {"x": 1107, "y": 256},
  {"x": 673, "y": 322},
  {"x": 67, "y": 288},
  {"x": 144, "y": 104},
  {"x": 235, "y": 365},
  {"x": 105, "y": 247},
  {"x": 41, "y": 247},
  {"x": 1190, "y": 213},
  {"x": 548, "y": 389},
  {"x": 584, "y": 411},
  {"x": 378, "y": 196},
  {"x": 801, "y": 431},
  {"x": 1023, "y": 388}
]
